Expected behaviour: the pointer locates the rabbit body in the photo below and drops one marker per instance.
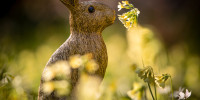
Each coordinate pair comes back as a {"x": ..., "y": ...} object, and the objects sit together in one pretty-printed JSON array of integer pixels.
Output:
[
  {"x": 79, "y": 44},
  {"x": 85, "y": 28}
]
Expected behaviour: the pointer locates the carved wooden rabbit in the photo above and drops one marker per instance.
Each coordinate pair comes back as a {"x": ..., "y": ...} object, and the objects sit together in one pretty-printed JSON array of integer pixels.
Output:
[{"x": 87, "y": 21}]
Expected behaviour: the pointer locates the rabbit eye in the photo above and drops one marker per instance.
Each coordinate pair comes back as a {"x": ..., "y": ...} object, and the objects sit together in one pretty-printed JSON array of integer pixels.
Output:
[{"x": 91, "y": 9}]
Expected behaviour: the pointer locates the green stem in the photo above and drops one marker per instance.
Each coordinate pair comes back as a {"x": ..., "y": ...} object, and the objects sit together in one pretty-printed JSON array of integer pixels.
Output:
[
  {"x": 151, "y": 91},
  {"x": 172, "y": 89},
  {"x": 154, "y": 86},
  {"x": 155, "y": 90}
]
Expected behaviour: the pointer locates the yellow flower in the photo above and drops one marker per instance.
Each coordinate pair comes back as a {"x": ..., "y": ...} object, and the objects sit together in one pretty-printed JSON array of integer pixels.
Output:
[
  {"x": 91, "y": 66},
  {"x": 125, "y": 3},
  {"x": 75, "y": 61},
  {"x": 87, "y": 56},
  {"x": 136, "y": 11},
  {"x": 48, "y": 87},
  {"x": 122, "y": 18},
  {"x": 120, "y": 6},
  {"x": 49, "y": 73},
  {"x": 59, "y": 69},
  {"x": 160, "y": 80},
  {"x": 128, "y": 24},
  {"x": 137, "y": 92},
  {"x": 129, "y": 19},
  {"x": 146, "y": 74},
  {"x": 62, "y": 87}
]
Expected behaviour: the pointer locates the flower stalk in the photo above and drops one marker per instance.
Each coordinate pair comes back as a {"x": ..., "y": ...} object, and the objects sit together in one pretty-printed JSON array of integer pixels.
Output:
[
  {"x": 172, "y": 88},
  {"x": 154, "y": 86},
  {"x": 151, "y": 91}
]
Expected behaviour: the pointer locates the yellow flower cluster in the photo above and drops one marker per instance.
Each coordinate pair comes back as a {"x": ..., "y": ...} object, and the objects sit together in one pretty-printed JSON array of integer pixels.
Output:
[
  {"x": 129, "y": 19},
  {"x": 57, "y": 70},
  {"x": 160, "y": 80},
  {"x": 57, "y": 76},
  {"x": 60, "y": 87},
  {"x": 147, "y": 75},
  {"x": 61, "y": 72},
  {"x": 84, "y": 62}
]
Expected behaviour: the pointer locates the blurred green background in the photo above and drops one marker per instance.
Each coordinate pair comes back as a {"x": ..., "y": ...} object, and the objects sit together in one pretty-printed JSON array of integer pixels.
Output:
[{"x": 167, "y": 39}]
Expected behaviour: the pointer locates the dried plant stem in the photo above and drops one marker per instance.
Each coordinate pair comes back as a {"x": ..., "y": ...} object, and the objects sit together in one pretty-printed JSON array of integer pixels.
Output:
[
  {"x": 151, "y": 91},
  {"x": 172, "y": 89}
]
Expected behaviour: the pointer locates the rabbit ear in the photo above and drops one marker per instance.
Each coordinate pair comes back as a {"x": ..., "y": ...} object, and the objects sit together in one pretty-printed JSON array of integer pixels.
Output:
[{"x": 71, "y": 4}]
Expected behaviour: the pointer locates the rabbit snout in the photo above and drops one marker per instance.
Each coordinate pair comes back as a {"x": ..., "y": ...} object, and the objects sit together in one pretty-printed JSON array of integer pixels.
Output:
[{"x": 110, "y": 16}]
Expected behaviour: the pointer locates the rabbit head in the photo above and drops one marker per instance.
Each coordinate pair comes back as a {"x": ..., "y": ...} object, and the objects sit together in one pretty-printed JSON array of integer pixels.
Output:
[{"x": 89, "y": 16}]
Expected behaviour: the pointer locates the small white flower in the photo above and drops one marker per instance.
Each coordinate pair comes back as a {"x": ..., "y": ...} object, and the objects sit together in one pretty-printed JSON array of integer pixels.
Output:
[
  {"x": 176, "y": 93},
  {"x": 187, "y": 94},
  {"x": 181, "y": 95}
]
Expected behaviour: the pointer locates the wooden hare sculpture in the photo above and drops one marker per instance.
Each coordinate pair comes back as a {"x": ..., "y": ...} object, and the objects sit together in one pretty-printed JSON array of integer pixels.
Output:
[{"x": 87, "y": 21}]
